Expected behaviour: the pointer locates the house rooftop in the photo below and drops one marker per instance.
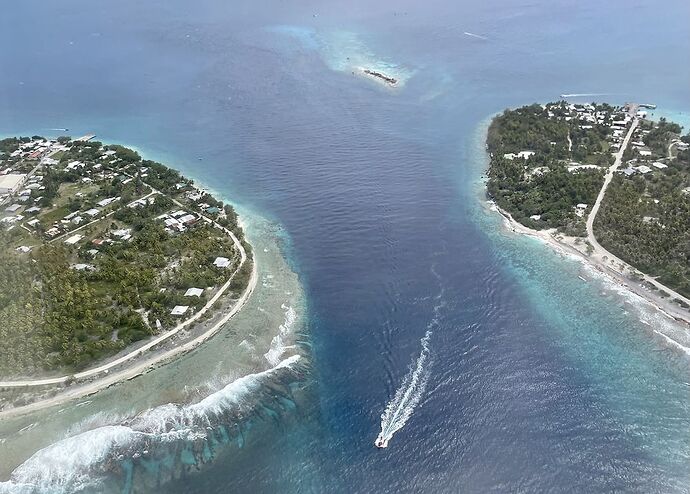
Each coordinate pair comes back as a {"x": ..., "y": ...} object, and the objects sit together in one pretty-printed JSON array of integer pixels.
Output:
[
  {"x": 222, "y": 262},
  {"x": 179, "y": 310},
  {"x": 194, "y": 292},
  {"x": 74, "y": 239}
]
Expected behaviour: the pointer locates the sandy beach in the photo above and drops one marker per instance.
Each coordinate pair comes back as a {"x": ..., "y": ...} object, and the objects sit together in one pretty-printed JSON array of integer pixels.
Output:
[
  {"x": 616, "y": 271},
  {"x": 156, "y": 356}
]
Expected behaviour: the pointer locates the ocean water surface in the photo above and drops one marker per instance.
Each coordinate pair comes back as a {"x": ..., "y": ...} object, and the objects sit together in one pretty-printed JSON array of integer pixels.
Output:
[{"x": 495, "y": 367}]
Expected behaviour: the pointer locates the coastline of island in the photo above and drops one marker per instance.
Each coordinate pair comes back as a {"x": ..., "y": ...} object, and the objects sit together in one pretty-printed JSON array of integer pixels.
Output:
[
  {"x": 567, "y": 232},
  {"x": 158, "y": 357},
  {"x": 615, "y": 275},
  {"x": 378, "y": 76},
  {"x": 27, "y": 395}
]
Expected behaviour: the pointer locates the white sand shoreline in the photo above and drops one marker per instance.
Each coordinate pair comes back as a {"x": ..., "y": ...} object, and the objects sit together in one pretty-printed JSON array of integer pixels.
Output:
[
  {"x": 106, "y": 379},
  {"x": 611, "y": 272},
  {"x": 159, "y": 359}
]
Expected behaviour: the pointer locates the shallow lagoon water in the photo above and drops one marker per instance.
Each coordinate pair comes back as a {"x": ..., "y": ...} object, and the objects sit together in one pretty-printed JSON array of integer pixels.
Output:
[{"x": 536, "y": 380}]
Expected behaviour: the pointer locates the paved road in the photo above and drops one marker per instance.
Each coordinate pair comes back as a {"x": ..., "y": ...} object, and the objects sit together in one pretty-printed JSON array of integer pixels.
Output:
[
  {"x": 71, "y": 232},
  {"x": 607, "y": 180},
  {"x": 598, "y": 249},
  {"x": 168, "y": 334}
]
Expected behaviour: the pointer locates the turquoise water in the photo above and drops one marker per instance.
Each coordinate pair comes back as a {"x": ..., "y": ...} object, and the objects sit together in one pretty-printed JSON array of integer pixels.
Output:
[{"x": 501, "y": 369}]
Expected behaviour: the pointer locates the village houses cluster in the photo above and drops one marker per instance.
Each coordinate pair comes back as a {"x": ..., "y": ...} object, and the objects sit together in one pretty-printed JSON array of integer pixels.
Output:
[
  {"x": 616, "y": 123},
  {"x": 22, "y": 181}
]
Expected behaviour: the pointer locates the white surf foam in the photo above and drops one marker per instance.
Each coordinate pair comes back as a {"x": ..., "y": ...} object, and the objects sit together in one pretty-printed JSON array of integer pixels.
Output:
[
  {"x": 673, "y": 342},
  {"x": 278, "y": 346},
  {"x": 68, "y": 465},
  {"x": 63, "y": 466},
  {"x": 407, "y": 396}
]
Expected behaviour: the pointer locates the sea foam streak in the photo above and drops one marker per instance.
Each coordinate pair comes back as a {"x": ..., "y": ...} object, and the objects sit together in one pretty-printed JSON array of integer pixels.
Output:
[
  {"x": 583, "y": 95},
  {"x": 472, "y": 35},
  {"x": 277, "y": 347},
  {"x": 407, "y": 396},
  {"x": 82, "y": 461}
]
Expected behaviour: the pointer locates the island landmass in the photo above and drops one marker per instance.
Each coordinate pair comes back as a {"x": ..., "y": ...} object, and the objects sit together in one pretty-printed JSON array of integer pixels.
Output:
[
  {"x": 392, "y": 81},
  {"x": 604, "y": 182},
  {"x": 106, "y": 256}
]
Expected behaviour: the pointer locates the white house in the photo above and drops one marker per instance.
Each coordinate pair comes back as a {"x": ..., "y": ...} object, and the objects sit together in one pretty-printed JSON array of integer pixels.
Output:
[
  {"x": 193, "y": 292},
  {"x": 74, "y": 239},
  {"x": 83, "y": 267},
  {"x": 525, "y": 154},
  {"x": 122, "y": 233},
  {"x": 187, "y": 218},
  {"x": 107, "y": 201},
  {"x": 221, "y": 262},
  {"x": 11, "y": 182},
  {"x": 73, "y": 165},
  {"x": 179, "y": 310}
]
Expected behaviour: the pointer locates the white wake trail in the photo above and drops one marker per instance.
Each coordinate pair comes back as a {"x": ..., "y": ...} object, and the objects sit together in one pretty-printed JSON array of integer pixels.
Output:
[
  {"x": 407, "y": 396},
  {"x": 580, "y": 95},
  {"x": 472, "y": 35}
]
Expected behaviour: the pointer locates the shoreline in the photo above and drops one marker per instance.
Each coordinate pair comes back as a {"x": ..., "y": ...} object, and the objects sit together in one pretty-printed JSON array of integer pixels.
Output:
[
  {"x": 122, "y": 357},
  {"x": 147, "y": 355},
  {"x": 159, "y": 359},
  {"x": 244, "y": 356},
  {"x": 613, "y": 274},
  {"x": 378, "y": 77}
]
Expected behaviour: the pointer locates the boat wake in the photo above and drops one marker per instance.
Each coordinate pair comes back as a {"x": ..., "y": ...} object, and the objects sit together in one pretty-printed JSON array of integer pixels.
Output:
[
  {"x": 478, "y": 36},
  {"x": 407, "y": 396},
  {"x": 582, "y": 95}
]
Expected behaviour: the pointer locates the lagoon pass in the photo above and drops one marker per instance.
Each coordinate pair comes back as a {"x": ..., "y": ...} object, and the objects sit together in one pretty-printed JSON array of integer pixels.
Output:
[{"x": 391, "y": 302}]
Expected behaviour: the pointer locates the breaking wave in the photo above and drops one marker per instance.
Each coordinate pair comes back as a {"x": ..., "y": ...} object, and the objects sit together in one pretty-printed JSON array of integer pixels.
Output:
[
  {"x": 277, "y": 347},
  {"x": 169, "y": 439},
  {"x": 661, "y": 323}
]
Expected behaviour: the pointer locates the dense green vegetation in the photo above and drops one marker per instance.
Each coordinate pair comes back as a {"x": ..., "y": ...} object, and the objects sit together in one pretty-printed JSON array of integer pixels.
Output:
[
  {"x": 22, "y": 342},
  {"x": 660, "y": 134},
  {"x": 10, "y": 144},
  {"x": 539, "y": 190},
  {"x": 63, "y": 306},
  {"x": 645, "y": 218}
]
